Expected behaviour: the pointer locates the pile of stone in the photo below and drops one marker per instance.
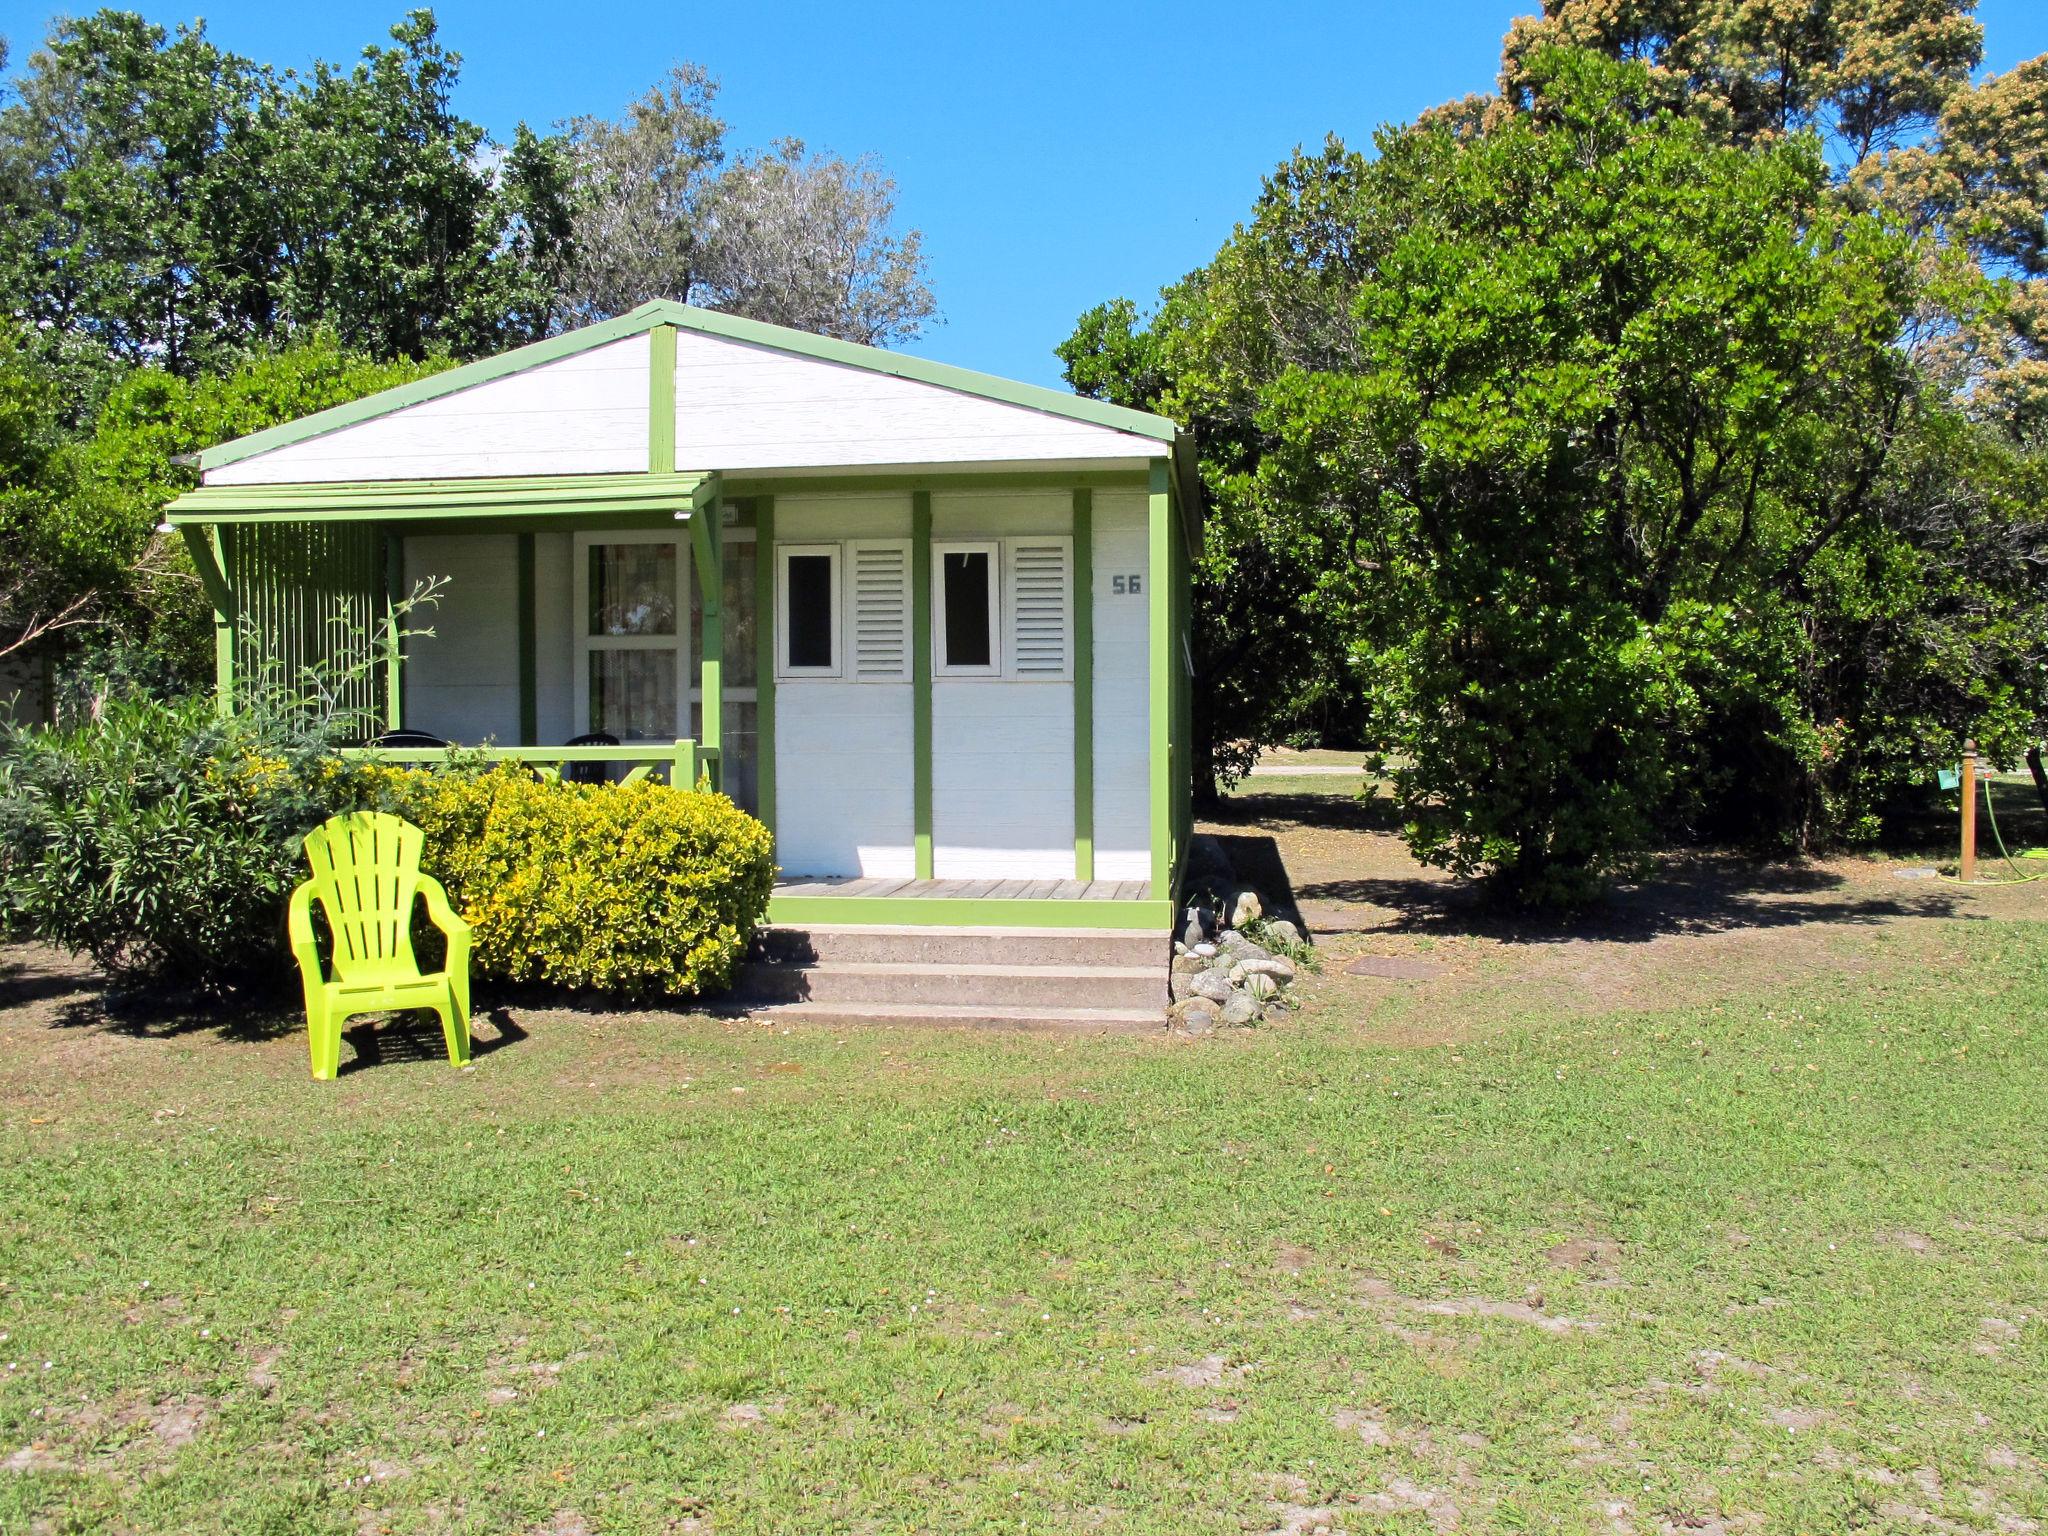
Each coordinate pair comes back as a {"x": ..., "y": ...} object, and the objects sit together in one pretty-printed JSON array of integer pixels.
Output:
[{"x": 1222, "y": 977}]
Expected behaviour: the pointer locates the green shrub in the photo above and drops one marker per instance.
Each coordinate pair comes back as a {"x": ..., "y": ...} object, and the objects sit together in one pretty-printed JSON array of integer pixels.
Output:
[
  {"x": 164, "y": 841},
  {"x": 632, "y": 889}
]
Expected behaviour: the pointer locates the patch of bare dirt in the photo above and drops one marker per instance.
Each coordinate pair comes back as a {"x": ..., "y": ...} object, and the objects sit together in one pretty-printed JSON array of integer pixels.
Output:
[
  {"x": 1597, "y": 1258},
  {"x": 1381, "y": 1297},
  {"x": 1209, "y": 1371}
]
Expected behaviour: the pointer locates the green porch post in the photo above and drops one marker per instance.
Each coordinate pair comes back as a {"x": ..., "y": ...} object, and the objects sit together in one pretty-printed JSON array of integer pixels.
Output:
[
  {"x": 1160, "y": 661},
  {"x": 394, "y": 645},
  {"x": 1084, "y": 685},
  {"x": 764, "y": 659},
  {"x": 921, "y": 681},
  {"x": 203, "y": 543},
  {"x": 705, "y": 559}
]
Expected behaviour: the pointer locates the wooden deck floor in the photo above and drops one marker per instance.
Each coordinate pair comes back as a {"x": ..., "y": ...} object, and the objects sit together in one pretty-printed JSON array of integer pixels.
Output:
[{"x": 965, "y": 890}]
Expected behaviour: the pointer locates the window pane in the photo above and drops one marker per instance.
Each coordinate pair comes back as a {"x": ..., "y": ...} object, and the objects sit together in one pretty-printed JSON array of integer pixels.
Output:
[
  {"x": 632, "y": 589},
  {"x": 738, "y": 609},
  {"x": 810, "y": 610},
  {"x": 633, "y": 694},
  {"x": 970, "y": 638},
  {"x": 738, "y": 753}
]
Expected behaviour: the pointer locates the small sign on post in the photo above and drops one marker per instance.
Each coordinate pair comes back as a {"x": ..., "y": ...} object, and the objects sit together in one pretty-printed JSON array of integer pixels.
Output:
[{"x": 1968, "y": 864}]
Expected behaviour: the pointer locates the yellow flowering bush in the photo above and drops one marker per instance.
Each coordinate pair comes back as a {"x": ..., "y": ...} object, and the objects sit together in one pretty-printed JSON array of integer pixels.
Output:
[{"x": 633, "y": 889}]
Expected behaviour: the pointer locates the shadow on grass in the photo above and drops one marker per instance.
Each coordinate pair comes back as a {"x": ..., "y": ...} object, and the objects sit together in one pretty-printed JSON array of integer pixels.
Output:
[
  {"x": 415, "y": 1036},
  {"x": 1688, "y": 895}
]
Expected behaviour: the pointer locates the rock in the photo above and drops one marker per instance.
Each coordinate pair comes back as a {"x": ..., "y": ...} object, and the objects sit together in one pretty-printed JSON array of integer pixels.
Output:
[
  {"x": 1279, "y": 967},
  {"x": 1203, "y": 951},
  {"x": 1238, "y": 947},
  {"x": 1180, "y": 986},
  {"x": 1196, "y": 925},
  {"x": 1240, "y": 1010},
  {"x": 1261, "y": 987},
  {"x": 1246, "y": 907},
  {"x": 1190, "y": 963},
  {"x": 1281, "y": 931},
  {"x": 1179, "y": 948},
  {"x": 1196, "y": 1017},
  {"x": 1236, "y": 974},
  {"x": 1211, "y": 985}
]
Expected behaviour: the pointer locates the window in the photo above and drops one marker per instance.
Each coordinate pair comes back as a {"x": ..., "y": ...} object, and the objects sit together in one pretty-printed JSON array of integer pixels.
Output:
[
  {"x": 629, "y": 635},
  {"x": 965, "y": 610},
  {"x": 807, "y": 609}
]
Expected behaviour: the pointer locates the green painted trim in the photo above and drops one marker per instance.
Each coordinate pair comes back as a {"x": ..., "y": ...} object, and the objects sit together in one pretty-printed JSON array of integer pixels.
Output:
[
  {"x": 950, "y": 912},
  {"x": 529, "y": 659},
  {"x": 454, "y": 381},
  {"x": 764, "y": 661},
  {"x": 661, "y": 400},
  {"x": 1160, "y": 659},
  {"x": 204, "y": 546},
  {"x": 387, "y": 500},
  {"x": 708, "y": 562},
  {"x": 666, "y": 312},
  {"x": 899, "y": 481},
  {"x": 1084, "y": 685},
  {"x": 921, "y": 681},
  {"x": 394, "y": 644}
]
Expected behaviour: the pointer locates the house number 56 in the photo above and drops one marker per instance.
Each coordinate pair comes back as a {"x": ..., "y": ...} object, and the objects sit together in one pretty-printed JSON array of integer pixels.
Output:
[{"x": 1127, "y": 586}]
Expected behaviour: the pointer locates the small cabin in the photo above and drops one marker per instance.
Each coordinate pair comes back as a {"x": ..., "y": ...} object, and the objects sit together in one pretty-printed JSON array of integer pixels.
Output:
[{"x": 927, "y": 624}]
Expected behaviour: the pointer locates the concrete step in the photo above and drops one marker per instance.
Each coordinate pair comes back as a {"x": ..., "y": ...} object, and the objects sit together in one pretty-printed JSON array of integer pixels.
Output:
[
  {"x": 1121, "y": 1021},
  {"x": 886, "y": 944},
  {"x": 1114, "y": 987}
]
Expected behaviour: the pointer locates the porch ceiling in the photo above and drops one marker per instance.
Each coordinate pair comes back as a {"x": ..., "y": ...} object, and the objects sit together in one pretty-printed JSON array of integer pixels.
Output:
[{"x": 394, "y": 501}]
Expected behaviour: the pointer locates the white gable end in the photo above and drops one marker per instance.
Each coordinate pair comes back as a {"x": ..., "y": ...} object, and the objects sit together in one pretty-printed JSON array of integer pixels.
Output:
[
  {"x": 745, "y": 407},
  {"x": 584, "y": 414}
]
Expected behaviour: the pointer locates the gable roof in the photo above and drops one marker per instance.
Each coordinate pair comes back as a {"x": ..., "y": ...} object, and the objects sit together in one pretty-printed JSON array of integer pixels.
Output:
[{"x": 660, "y": 312}]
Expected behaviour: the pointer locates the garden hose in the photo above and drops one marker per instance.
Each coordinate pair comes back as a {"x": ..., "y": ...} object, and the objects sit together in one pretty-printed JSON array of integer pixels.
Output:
[{"x": 1991, "y": 816}]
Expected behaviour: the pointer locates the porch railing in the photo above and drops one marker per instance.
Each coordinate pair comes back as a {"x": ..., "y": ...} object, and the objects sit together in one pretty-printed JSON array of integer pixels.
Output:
[{"x": 681, "y": 761}]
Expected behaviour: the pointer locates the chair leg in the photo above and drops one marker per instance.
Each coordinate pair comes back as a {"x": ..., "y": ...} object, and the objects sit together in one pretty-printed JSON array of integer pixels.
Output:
[
  {"x": 323, "y": 1038},
  {"x": 454, "y": 1011}
]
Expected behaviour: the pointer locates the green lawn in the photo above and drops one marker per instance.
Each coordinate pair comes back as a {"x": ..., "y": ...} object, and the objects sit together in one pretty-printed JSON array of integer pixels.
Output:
[{"x": 1771, "y": 1254}]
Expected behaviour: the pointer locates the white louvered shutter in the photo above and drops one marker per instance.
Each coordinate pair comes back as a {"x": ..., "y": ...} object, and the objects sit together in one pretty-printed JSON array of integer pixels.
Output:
[
  {"x": 880, "y": 611},
  {"x": 1041, "y": 619}
]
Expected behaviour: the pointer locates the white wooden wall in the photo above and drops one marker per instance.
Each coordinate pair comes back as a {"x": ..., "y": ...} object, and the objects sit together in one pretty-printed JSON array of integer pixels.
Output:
[
  {"x": 462, "y": 682},
  {"x": 1123, "y": 822},
  {"x": 748, "y": 407},
  {"x": 585, "y": 414},
  {"x": 844, "y": 793},
  {"x": 1002, "y": 752}
]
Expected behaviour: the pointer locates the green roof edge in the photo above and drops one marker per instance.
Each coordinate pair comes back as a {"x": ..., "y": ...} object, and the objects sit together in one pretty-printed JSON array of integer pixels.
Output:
[{"x": 759, "y": 333}]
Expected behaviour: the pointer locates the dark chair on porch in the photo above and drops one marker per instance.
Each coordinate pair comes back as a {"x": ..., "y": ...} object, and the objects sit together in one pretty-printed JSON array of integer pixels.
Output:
[
  {"x": 407, "y": 739},
  {"x": 588, "y": 773}
]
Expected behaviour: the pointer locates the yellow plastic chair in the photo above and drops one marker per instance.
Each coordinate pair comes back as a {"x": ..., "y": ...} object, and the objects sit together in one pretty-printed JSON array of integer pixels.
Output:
[{"x": 366, "y": 872}]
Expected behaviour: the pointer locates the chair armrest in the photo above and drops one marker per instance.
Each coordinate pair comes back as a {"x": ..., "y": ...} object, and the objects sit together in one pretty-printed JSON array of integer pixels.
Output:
[
  {"x": 299, "y": 928},
  {"x": 443, "y": 914}
]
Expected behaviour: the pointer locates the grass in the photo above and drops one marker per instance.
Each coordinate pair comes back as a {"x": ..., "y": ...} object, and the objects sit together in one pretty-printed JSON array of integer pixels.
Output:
[{"x": 1771, "y": 1253}]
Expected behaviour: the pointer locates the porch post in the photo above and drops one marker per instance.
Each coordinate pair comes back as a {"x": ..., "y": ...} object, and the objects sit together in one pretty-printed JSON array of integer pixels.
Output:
[
  {"x": 1084, "y": 685},
  {"x": 1160, "y": 663},
  {"x": 921, "y": 682},
  {"x": 764, "y": 659},
  {"x": 203, "y": 543},
  {"x": 705, "y": 560},
  {"x": 394, "y": 646}
]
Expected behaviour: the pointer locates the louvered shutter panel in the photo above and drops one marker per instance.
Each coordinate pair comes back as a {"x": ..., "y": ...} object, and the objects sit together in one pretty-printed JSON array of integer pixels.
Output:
[
  {"x": 880, "y": 647},
  {"x": 1041, "y": 623}
]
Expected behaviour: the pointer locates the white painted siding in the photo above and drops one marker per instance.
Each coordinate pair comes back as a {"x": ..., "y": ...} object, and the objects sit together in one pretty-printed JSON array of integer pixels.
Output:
[
  {"x": 1002, "y": 752},
  {"x": 844, "y": 802},
  {"x": 1002, "y": 780},
  {"x": 462, "y": 682},
  {"x": 585, "y": 414},
  {"x": 748, "y": 407},
  {"x": 1123, "y": 824}
]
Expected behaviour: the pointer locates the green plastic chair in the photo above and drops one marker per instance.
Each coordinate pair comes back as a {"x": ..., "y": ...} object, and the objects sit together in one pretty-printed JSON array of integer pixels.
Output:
[{"x": 366, "y": 872}]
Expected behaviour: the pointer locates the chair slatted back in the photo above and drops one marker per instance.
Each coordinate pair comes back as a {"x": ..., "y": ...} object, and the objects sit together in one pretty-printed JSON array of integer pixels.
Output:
[{"x": 366, "y": 873}]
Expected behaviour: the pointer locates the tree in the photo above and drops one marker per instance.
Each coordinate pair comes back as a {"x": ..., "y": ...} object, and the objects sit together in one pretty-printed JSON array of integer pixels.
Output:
[
  {"x": 784, "y": 235},
  {"x": 181, "y": 206}
]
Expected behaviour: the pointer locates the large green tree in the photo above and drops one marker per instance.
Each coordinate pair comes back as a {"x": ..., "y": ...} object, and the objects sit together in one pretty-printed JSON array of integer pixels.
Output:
[{"x": 1581, "y": 451}]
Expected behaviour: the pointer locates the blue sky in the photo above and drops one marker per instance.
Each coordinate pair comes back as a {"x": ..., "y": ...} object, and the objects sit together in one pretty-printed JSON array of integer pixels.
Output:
[{"x": 1054, "y": 155}]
